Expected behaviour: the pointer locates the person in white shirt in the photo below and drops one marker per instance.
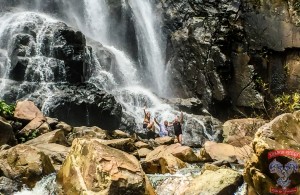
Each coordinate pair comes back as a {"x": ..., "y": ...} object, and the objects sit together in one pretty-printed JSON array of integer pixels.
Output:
[{"x": 163, "y": 127}]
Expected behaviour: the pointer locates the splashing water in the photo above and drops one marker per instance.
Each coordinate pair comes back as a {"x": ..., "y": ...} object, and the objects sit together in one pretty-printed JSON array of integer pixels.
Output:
[
  {"x": 46, "y": 186},
  {"x": 242, "y": 190}
]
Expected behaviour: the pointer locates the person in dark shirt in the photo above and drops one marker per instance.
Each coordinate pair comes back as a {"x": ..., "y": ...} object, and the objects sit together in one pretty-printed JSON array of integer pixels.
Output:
[{"x": 177, "y": 124}]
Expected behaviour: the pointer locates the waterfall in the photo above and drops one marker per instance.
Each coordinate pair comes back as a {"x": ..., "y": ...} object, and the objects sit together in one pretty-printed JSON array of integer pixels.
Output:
[
  {"x": 151, "y": 49},
  {"x": 136, "y": 78}
]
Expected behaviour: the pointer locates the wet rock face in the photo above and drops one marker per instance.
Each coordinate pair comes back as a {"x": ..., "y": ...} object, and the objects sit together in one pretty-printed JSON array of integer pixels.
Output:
[
  {"x": 194, "y": 134},
  {"x": 217, "y": 50},
  {"x": 86, "y": 105},
  {"x": 8, "y": 186},
  {"x": 47, "y": 55},
  {"x": 273, "y": 24},
  {"x": 197, "y": 34},
  {"x": 60, "y": 43}
]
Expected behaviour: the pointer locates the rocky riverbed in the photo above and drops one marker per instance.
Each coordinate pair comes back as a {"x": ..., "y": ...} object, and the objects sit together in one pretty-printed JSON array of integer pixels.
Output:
[{"x": 96, "y": 161}]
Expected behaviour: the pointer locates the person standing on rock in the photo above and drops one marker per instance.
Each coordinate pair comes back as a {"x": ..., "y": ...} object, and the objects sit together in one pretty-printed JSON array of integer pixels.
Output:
[
  {"x": 163, "y": 128},
  {"x": 177, "y": 124},
  {"x": 147, "y": 124}
]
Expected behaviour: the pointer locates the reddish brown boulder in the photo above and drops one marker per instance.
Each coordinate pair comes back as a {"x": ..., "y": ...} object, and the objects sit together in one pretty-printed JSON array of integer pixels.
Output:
[
  {"x": 226, "y": 152},
  {"x": 26, "y": 110}
]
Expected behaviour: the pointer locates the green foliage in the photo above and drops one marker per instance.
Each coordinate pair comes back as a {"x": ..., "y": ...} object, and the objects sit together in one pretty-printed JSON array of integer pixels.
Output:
[
  {"x": 287, "y": 103},
  {"x": 29, "y": 135},
  {"x": 263, "y": 86},
  {"x": 6, "y": 110}
]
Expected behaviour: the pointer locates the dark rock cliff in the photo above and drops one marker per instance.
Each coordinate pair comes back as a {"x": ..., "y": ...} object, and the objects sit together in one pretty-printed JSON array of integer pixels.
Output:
[{"x": 223, "y": 51}]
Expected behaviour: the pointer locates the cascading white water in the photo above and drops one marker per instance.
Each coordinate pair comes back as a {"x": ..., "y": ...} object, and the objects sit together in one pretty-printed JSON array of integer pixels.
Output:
[
  {"x": 149, "y": 38},
  {"x": 40, "y": 69},
  {"x": 132, "y": 94},
  {"x": 93, "y": 18},
  {"x": 46, "y": 186}
]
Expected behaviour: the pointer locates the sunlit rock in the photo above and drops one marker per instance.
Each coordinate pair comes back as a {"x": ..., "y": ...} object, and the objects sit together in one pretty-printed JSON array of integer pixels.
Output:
[
  {"x": 240, "y": 132},
  {"x": 126, "y": 144},
  {"x": 221, "y": 181},
  {"x": 226, "y": 152},
  {"x": 118, "y": 134},
  {"x": 184, "y": 153},
  {"x": 143, "y": 152},
  {"x": 37, "y": 125},
  {"x": 140, "y": 144},
  {"x": 87, "y": 132},
  {"x": 56, "y": 137},
  {"x": 25, "y": 163},
  {"x": 56, "y": 152},
  {"x": 26, "y": 110},
  {"x": 282, "y": 134},
  {"x": 160, "y": 161},
  {"x": 164, "y": 140},
  {"x": 92, "y": 167}
]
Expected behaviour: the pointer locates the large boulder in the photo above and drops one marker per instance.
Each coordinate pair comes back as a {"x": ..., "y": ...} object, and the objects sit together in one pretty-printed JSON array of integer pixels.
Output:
[
  {"x": 87, "y": 132},
  {"x": 56, "y": 136},
  {"x": 219, "y": 182},
  {"x": 166, "y": 140},
  {"x": 140, "y": 144},
  {"x": 197, "y": 129},
  {"x": 126, "y": 145},
  {"x": 143, "y": 152},
  {"x": 189, "y": 105},
  {"x": 54, "y": 144},
  {"x": 275, "y": 144},
  {"x": 86, "y": 100},
  {"x": 37, "y": 125},
  {"x": 56, "y": 152},
  {"x": 226, "y": 152},
  {"x": 6, "y": 132},
  {"x": 25, "y": 163},
  {"x": 184, "y": 153},
  {"x": 160, "y": 161},
  {"x": 240, "y": 132},
  {"x": 92, "y": 167},
  {"x": 27, "y": 110}
]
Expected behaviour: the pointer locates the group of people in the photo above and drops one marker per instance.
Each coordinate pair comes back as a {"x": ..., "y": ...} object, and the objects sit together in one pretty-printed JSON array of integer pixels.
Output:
[{"x": 164, "y": 127}]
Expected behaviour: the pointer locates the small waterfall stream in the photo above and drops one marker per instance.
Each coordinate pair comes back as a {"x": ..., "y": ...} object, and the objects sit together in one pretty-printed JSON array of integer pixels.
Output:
[{"x": 46, "y": 186}]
